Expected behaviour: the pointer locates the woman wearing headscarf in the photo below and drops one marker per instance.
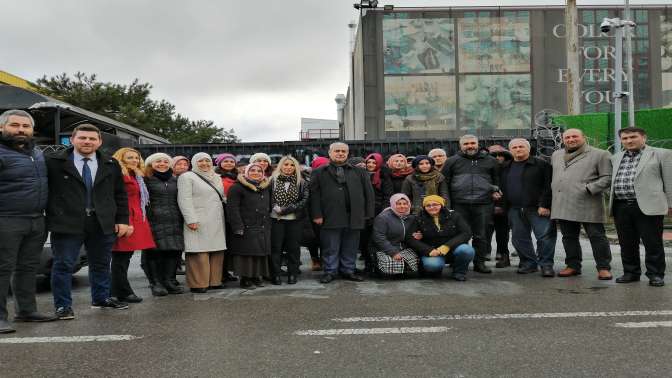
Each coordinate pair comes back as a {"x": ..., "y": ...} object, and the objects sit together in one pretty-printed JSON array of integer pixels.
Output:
[
  {"x": 249, "y": 208},
  {"x": 399, "y": 170},
  {"x": 225, "y": 167},
  {"x": 289, "y": 196},
  {"x": 264, "y": 160},
  {"x": 382, "y": 188},
  {"x": 179, "y": 164},
  {"x": 167, "y": 222},
  {"x": 200, "y": 195},
  {"x": 425, "y": 181},
  {"x": 132, "y": 168},
  {"x": 441, "y": 239},
  {"x": 391, "y": 228}
]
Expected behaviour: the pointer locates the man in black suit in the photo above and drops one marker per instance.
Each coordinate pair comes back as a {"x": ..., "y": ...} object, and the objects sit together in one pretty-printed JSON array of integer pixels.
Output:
[{"x": 87, "y": 205}]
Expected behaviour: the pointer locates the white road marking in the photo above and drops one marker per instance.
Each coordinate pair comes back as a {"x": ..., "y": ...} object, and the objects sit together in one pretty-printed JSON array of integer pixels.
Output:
[
  {"x": 543, "y": 315},
  {"x": 644, "y": 324},
  {"x": 67, "y": 339},
  {"x": 370, "y": 331}
]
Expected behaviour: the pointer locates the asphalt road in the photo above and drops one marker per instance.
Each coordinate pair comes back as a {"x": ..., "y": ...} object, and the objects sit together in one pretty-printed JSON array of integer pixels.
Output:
[{"x": 502, "y": 324}]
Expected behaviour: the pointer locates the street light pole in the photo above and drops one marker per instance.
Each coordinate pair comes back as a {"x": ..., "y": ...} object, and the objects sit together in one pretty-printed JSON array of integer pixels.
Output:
[
  {"x": 628, "y": 56},
  {"x": 618, "y": 87}
]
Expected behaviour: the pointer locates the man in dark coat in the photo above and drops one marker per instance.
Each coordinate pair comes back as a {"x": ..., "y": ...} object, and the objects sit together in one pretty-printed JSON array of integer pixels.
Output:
[
  {"x": 23, "y": 197},
  {"x": 341, "y": 200},
  {"x": 473, "y": 181},
  {"x": 87, "y": 205}
]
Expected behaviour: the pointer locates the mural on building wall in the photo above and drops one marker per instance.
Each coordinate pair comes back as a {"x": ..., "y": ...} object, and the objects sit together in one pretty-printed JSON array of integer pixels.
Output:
[
  {"x": 418, "y": 45},
  {"x": 666, "y": 57},
  {"x": 420, "y": 103},
  {"x": 495, "y": 101},
  {"x": 489, "y": 42}
]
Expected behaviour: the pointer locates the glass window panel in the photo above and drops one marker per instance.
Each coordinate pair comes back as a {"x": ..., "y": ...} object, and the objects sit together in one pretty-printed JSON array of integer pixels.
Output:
[{"x": 588, "y": 17}]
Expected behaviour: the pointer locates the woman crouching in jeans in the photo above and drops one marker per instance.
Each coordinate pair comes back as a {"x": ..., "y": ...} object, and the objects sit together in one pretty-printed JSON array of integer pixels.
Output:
[{"x": 441, "y": 239}]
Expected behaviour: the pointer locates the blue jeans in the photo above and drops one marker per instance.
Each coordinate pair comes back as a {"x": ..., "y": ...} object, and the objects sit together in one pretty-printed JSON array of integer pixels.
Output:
[
  {"x": 525, "y": 221},
  {"x": 459, "y": 259},
  {"x": 339, "y": 249},
  {"x": 66, "y": 252}
]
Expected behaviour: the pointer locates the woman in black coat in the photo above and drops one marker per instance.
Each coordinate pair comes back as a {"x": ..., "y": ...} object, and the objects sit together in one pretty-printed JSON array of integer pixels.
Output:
[
  {"x": 166, "y": 222},
  {"x": 289, "y": 196},
  {"x": 248, "y": 212}
]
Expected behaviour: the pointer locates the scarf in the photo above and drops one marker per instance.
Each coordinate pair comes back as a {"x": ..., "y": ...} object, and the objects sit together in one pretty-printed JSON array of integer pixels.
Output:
[
  {"x": 401, "y": 173},
  {"x": 338, "y": 171},
  {"x": 164, "y": 176},
  {"x": 285, "y": 190},
  {"x": 375, "y": 175},
  {"x": 569, "y": 156},
  {"x": 144, "y": 195},
  {"x": 393, "y": 204},
  {"x": 210, "y": 174},
  {"x": 430, "y": 181}
]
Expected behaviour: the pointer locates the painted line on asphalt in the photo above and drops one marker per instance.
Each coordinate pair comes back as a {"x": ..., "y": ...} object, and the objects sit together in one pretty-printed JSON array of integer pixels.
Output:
[
  {"x": 644, "y": 324},
  {"x": 370, "y": 331},
  {"x": 67, "y": 339},
  {"x": 543, "y": 315}
]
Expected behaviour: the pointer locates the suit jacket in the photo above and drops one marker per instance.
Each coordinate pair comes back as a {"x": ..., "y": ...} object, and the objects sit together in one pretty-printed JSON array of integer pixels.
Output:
[
  {"x": 653, "y": 180},
  {"x": 67, "y": 194},
  {"x": 579, "y": 186}
]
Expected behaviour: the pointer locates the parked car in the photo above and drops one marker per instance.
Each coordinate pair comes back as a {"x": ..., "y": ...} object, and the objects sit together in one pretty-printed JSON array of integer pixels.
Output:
[{"x": 47, "y": 260}]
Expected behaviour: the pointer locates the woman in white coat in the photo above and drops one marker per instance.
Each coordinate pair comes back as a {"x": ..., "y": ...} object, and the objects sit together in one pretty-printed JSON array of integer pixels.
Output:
[{"x": 200, "y": 195}]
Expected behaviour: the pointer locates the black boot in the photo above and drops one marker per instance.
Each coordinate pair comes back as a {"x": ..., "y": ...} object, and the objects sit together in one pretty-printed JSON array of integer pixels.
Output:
[
  {"x": 504, "y": 262},
  {"x": 158, "y": 290},
  {"x": 145, "y": 268},
  {"x": 168, "y": 269}
]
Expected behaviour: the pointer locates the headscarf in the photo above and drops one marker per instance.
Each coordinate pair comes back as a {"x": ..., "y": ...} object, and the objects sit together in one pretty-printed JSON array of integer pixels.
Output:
[
  {"x": 433, "y": 198},
  {"x": 399, "y": 172},
  {"x": 157, "y": 156},
  {"x": 247, "y": 171},
  {"x": 497, "y": 150},
  {"x": 221, "y": 157},
  {"x": 355, "y": 160},
  {"x": 210, "y": 174},
  {"x": 176, "y": 159},
  {"x": 393, "y": 203},
  {"x": 420, "y": 158},
  {"x": 375, "y": 175},
  {"x": 260, "y": 156},
  {"x": 318, "y": 162}
]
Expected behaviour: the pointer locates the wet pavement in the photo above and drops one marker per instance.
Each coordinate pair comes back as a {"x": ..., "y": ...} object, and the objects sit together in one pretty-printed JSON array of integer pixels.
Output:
[{"x": 503, "y": 324}]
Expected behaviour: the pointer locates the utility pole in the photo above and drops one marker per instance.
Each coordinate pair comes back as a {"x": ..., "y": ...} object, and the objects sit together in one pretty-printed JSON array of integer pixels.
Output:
[
  {"x": 572, "y": 47},
  {"x": 628, "y": 56}
]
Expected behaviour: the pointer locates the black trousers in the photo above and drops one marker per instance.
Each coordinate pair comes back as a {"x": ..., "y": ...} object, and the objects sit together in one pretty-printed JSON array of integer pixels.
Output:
[
  {"x": 479, "y": 218},
  {"x": 499, "y": 227},
  {"x": 314, "y": 245},
  {"x": 119, "y": 285},
  {"x": 286, "y": 236},
  {"x": 21, "y": 243},
  {"x": 632, "y": 226},
  {"x": 598, "y": 242}
]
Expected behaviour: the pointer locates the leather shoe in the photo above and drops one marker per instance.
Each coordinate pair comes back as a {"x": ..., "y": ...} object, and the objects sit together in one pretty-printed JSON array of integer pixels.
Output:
[
  {"x": 480, "y": 267},
  {"x": 604, "y": 275},
  {"x": 458, "y": 277},
  {"x": 276, "y": 280},
  {"x": 352, "y": 277},
  {"x": 627, "y": 278},
  {"x": 568, "y": 272},
  {"x": 326, "y": 278},
  {"x": 34, "y": 317},
  {"x": 547, "y": 271},
  {"x": 131, "y": 299},
  {"x": 291, "y": 279},
  {"x": 199, "y": 290},
  {"x": 504, "y": 262},
  {"x": 656, "y": 281},
  {"x": 5, "y": 327},
  {"x": 527, "y": 269}
]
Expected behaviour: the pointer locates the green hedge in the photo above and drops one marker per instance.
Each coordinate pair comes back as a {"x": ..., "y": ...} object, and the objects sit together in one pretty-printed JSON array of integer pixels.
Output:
[{"x": 599, "y": 127}]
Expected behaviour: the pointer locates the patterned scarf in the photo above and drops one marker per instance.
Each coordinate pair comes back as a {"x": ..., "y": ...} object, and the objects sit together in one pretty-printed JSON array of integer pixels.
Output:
[
  {"x": 285, "y": 190},
  {"x": 144, "y": 195},
  {"x": 430, "y": 181}
]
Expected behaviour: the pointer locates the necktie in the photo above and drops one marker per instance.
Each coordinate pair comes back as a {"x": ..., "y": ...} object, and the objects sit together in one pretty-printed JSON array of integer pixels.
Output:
[{"x": 88, "y": 183}]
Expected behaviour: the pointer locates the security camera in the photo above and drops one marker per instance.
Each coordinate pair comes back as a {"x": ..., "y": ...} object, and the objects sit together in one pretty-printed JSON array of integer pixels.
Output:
[{"x": 605, "y": 26}]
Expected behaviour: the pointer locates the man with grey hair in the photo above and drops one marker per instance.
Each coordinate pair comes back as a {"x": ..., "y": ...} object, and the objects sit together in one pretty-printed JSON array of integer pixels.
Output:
[
  {"x": 23, "y": 198},
  {"x": 473, "y": 179},
  {"x": 526, "y": 187},
  {"x": 581, "y": 177},
  {"x": 341, "y": 200},
  {"x": 439, "y": 156}
]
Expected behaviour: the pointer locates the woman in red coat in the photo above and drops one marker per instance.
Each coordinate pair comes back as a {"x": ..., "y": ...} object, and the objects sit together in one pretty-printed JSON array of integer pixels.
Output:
[{"x": 132, "y": 167}]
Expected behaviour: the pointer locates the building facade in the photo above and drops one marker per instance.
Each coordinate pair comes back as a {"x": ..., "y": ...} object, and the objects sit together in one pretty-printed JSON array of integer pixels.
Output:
[{"x": 441, "y": 72}]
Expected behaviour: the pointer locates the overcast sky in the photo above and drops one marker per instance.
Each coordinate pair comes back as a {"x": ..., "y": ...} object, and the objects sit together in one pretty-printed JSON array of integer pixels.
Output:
[{"x": 255, "y": 66}]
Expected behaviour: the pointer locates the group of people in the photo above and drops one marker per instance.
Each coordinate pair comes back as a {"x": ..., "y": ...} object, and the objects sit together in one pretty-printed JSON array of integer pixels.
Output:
[{"x": 408, "y": 216}]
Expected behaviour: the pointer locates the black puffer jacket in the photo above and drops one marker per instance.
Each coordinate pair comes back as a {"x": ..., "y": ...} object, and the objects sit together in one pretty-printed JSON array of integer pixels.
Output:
[
  {"x": 23, "y": 183},
  {"x": 248, "y": 209},
  {"x": 164, "y": 214},
  {"x": 390, "y": 231},
  {"x": 471, "y": 179},
  {"x": 454, "y": 231}
]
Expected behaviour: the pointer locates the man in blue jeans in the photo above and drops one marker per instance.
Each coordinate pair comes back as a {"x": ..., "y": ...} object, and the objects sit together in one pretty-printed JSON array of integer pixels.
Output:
[
  {"x": 526, "y": 185},
  {"x": 87, "y": 205},
  {"x": 341, "y": 199}
]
